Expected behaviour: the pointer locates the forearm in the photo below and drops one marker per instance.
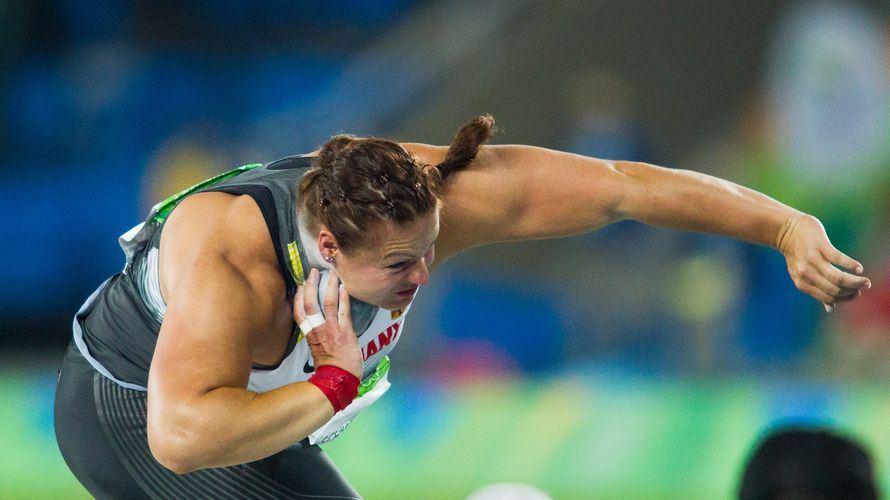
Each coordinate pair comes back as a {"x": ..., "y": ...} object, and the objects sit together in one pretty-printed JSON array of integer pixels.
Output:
[
  {"x": 521, "y": 192},
  {"x": 693, "y": 201},
  {"x": 229, "y": 425}
]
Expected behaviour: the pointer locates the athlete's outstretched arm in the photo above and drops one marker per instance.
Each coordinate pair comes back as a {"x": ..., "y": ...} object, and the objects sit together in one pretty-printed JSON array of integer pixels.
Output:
[
  {"x": 694, "y": 201},
  {"x": 523, "y": 192}
]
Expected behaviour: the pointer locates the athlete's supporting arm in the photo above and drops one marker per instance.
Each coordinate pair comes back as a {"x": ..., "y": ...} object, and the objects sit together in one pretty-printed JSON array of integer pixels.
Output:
[
  {"x": 225, "y": 297},
  {"x": 523, "y": 192}
]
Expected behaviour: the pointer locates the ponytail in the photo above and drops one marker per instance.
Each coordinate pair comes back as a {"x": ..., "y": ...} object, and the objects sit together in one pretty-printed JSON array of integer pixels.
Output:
[{"x": 466, "y": 144}]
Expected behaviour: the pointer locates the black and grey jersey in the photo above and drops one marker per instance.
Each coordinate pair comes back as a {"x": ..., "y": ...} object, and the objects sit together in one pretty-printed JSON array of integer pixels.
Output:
[{"x": 118, "y": 326}]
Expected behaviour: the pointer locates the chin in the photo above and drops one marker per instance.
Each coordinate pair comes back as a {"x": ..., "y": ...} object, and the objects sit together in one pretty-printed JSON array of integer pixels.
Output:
[
  {"x": 395, "y": 304},
  {"x": 389, "y": 304},
  {"x": 392, "y": 306}
]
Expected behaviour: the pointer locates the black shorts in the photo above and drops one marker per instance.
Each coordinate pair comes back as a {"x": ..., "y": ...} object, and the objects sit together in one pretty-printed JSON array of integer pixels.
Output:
[{"x": 101, "y": 431}]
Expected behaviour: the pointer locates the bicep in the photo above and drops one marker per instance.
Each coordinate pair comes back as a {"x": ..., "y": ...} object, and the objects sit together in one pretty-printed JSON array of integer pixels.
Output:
[
  {"x": 568, "y": 194},
  {"x": 206, "y": 338}
]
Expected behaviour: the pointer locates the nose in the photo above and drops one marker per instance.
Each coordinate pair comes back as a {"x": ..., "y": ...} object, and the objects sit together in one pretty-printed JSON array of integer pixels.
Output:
[{"x": 420, "y": 275}]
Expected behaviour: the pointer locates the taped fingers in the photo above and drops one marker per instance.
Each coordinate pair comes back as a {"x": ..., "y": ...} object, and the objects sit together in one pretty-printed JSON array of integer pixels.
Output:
[
  {"x": 306, "y": 327},
  {"x": 306, "y": 310},
  {"x": 312, "y": 322},
  {"x": 315, "y": 320}
]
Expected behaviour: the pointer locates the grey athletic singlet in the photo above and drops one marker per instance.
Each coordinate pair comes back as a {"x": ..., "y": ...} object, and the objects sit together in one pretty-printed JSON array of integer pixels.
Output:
[{"x": 117, "y": 328}]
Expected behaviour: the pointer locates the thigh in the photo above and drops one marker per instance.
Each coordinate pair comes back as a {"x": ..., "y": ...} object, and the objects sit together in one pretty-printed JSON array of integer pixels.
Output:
[
  {"x": 307, "y": 469},
  {"x": 81, "y": 439}
]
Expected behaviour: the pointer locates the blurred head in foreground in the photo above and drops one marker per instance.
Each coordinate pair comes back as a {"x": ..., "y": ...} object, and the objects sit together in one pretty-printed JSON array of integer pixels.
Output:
[{"x": 799, "y": 463}]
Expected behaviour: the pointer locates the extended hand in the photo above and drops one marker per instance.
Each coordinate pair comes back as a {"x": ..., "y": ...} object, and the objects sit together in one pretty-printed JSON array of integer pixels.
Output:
[
  {"x": 333, "y": 342},
  {"x": 812, "y": 261}
]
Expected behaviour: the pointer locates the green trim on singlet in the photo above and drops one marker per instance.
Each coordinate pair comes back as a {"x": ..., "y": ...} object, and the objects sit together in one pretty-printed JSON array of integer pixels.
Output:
[
  {"x": 369, "y": 383},
  {"x": 160, "y": 211},
  {"x": 296, "y": 267}
]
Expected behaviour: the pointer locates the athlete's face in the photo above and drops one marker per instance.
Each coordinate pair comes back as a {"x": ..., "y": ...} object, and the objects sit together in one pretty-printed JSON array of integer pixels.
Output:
[{"x": 387, "y": 271}]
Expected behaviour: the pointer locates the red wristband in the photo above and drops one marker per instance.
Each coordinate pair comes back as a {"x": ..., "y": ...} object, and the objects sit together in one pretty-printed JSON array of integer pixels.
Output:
[{"x": 340, "y": 386}]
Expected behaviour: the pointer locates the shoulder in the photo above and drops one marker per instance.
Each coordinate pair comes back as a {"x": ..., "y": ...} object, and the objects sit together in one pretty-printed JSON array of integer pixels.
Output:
[
  {"x": 225, "y": 295},
  {"x": 479, "y": 200},
  {"x": 218, "y": 229}
]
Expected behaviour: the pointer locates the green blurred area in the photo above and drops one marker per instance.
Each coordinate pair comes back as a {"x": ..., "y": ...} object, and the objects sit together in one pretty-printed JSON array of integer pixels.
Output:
[{"x": 575, "y": 435}]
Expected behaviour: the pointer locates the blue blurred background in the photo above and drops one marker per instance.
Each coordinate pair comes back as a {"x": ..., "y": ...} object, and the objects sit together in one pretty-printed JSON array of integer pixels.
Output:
[{"x": 630, "y": 362}]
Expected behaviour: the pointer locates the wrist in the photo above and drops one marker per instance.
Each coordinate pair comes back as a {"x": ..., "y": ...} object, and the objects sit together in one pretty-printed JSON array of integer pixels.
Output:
[
  {"x": 337, "y": 384},
  {"x": 788, "y": 227}
]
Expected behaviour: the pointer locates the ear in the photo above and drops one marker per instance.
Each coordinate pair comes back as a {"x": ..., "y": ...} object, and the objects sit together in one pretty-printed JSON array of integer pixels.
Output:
[{"x": 327, "y": 243}]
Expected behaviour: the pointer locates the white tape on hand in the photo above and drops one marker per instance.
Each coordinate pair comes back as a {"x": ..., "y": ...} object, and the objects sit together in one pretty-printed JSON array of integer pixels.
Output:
[
  {"x": 315, "y": 320},
  {"x": 306, "y": 326},
  {"x": 312, "y": 322}
]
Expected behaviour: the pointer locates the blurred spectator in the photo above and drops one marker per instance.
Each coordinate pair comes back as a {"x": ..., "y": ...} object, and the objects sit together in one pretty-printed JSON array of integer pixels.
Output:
[{"x": 808, "y": 464}]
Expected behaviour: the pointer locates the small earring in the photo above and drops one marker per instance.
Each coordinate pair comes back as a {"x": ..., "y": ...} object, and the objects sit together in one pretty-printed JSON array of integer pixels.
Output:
[{"x": 329, "y": 259}]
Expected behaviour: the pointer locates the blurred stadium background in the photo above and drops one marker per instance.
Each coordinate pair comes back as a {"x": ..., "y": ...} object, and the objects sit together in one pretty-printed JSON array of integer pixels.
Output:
[{"x": 629, "y": 363}]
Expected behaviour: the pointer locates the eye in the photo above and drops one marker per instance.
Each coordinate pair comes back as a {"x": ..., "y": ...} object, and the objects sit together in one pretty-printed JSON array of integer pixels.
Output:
[{"x": 398, "y": 265}]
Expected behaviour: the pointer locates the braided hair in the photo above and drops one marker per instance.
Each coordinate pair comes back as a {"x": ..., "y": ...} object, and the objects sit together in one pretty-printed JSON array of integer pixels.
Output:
[{"x": 358, "y": 182}]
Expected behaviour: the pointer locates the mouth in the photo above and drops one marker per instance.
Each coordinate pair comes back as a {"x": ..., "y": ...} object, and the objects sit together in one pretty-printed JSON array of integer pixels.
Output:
[{"x": 408, "y": 292}]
